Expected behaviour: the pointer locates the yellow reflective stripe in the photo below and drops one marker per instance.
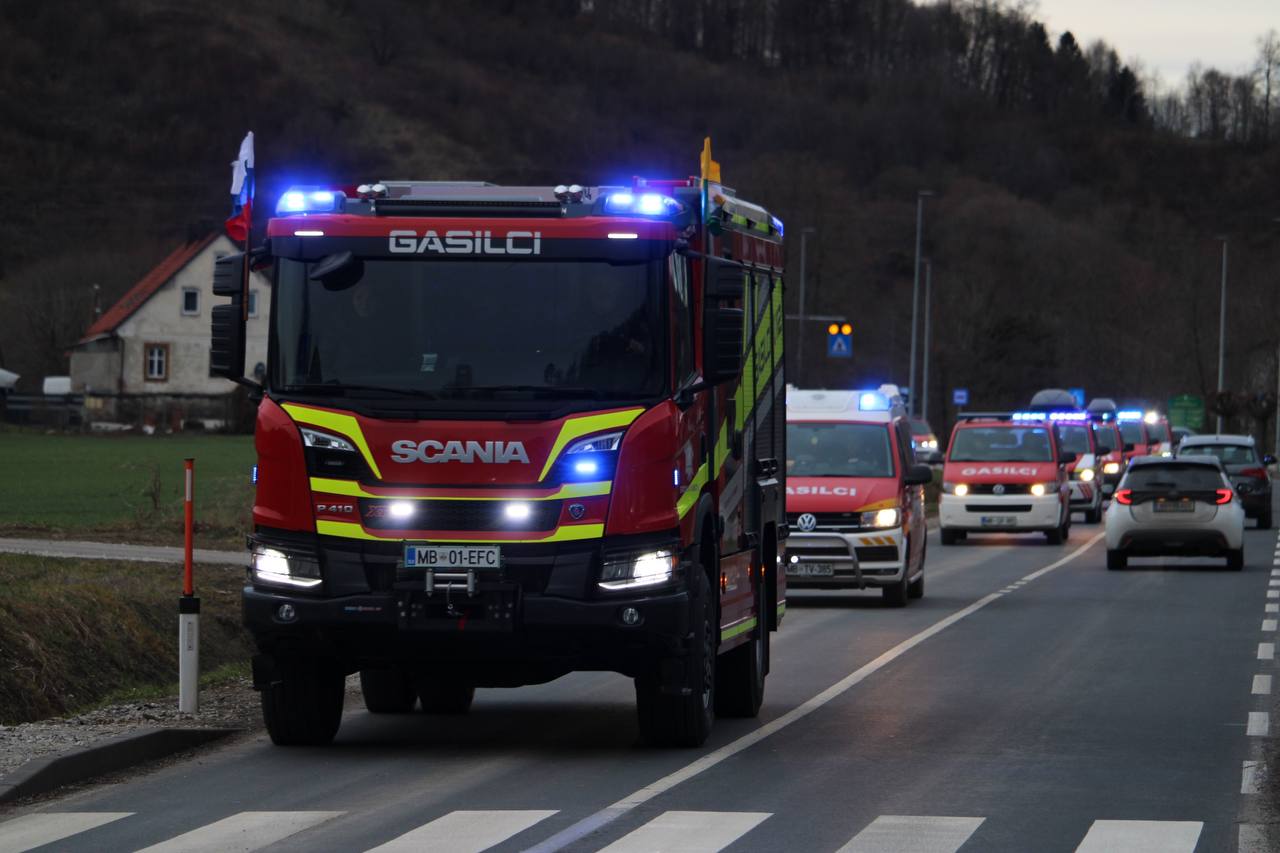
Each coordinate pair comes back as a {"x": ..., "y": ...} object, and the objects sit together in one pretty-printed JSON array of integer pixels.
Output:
[
  {"x": 722, "y": 447},
  {"x": 690, "y": 496},
  {"x": 352, "y": 489},
  {"x": 568, "y": 533},
  {"x": 739, "y": 628},
  {"x": 887, "y": 503},
  {"x": 578, "y": 427},
  {"x": 347, "y": 425},
  {"x": 778, "y": 322}
]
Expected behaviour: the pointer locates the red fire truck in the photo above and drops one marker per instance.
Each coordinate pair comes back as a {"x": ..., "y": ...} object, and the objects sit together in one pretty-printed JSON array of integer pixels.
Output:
[{"x": 507, "y": 433}]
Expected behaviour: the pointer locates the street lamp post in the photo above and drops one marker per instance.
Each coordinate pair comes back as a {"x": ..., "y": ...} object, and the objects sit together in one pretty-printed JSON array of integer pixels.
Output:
[
  {"x": 924, "y": 379},
  {"x": 804, "y": 236},
  {"x": 915, "y": 297},
  {"x": 1222, "y": 326}
]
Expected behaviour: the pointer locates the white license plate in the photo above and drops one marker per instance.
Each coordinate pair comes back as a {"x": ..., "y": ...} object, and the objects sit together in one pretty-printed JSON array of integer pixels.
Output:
[
  {"x": 999, "y": 521},
  {"x": 811, "y": 570},
  {"x": 1174, "y": 506},
  {"x": 418, "y": 556}
]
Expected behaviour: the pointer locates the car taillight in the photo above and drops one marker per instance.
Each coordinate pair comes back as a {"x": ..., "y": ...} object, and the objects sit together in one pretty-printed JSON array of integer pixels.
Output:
[
  {"x": 1124, "y": 496},
  {"x": 1225, "y": 496},
  {"x": 1256, "y": 473}
]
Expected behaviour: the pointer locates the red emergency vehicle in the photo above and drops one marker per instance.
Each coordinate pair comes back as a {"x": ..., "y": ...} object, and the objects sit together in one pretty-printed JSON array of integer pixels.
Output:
[
  {"x": 1111, "y": 448},
  {"x": 1005, "y": 473},
  {"x": 511, "y": 432}
]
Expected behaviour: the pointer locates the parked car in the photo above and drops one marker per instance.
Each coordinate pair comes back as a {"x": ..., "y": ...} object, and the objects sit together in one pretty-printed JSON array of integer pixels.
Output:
[
  {"x": 1175, "y": 506},
  {"x": 1247, "y": 471}
]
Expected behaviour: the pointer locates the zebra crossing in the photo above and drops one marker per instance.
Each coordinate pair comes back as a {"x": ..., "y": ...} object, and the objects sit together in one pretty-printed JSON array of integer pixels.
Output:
[{"x": 477, "y": 831}]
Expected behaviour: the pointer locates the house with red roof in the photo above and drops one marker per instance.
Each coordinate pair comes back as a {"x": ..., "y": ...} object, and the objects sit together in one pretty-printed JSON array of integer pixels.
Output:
[{"x": 154, "y": 342}]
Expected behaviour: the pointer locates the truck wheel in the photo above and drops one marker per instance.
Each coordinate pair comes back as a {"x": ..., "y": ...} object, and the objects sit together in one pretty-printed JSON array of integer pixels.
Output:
[
  {"x": 1235, "y": 560},
  {"x": 1116, "y": 560},
  {"x": 740, "y": 672},
  {"x": 387, "y": 691},
  {"x": 948, "y": 537},
  {"x": 447, "y": 697},
  {"x": 685, "y": 720},
  {"x": 916, "y": 588},
  {"x": 304, "y": 707},
  {"x": 1055, "y": 536},
  {"x": 1093, "y": 516},
  {"x": 897, "y": 594}
]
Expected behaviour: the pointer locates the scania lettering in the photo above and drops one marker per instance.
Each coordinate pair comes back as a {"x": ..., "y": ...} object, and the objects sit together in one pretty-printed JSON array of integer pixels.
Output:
[
  {"x": 855, "y": 495},
  {"x": 1005, "y": 473},
  {"x": 508, "y": 433}
]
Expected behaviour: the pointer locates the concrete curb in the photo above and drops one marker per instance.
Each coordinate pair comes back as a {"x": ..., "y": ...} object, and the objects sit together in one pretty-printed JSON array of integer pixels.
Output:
[{"x": 41, "y": 775}]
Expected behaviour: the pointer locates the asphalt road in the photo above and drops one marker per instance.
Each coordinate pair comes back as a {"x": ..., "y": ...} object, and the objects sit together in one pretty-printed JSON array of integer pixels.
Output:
[{"x": 1032, "y": 701}]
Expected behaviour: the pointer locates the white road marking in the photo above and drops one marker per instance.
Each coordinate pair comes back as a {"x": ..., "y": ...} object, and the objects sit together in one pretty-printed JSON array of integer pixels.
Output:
[
  {"x": 244, "y": 832},
  {"x": 1269, "y": 624},
  {"x": 1252, "y": 839},
  {"x": 1275, "y": 573},
  {"x": 688, "y": 832},
  {"x": 1274, "y": 582},
  {"x": 464, "y": 832},
  {"x": 1141, "y": 836},
  {"x": 36, "y": 830},
  {"x": 1273, "y": 608},
  {"x": 1259, "y": 724},
  {"x": 1266, "y": 651},
  {"x": 1261, "y": 685},
  {"x": 1249, "y": 778},
  {"x": 1273, "y": 593},
  {"x": 607, "y": 815},
  {"x": 908, "y": 834}
]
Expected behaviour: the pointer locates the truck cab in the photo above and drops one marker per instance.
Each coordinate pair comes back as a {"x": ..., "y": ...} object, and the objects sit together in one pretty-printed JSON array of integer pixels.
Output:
[
  {"x": 1005, "y": 473},
  {"x": 507, "y": 433},
  {"x": 855, "y": 494}
]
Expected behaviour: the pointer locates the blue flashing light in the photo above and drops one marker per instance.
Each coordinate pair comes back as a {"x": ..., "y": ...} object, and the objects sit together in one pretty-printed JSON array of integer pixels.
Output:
[
  {"x": 777, "y": 224},
  {"x": 307, "y": 200},
  {"x": 586, "y": 467},
  {"x": 1071, "y": 417},
  {"x": 652, "y": 204},
  {"x": 645, "y": 204},
  {"x": 1029, "y": 416},
  {"x": 253, "y": 478},
  {"x": 1129, "y": 415},
  {"x": 873, "y": 401}
]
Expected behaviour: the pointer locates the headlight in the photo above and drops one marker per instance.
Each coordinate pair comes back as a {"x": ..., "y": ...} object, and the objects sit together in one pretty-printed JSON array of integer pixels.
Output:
[
  {"x": 1085, "y": 475},
  {"x": 324, "y": 441},
  {"x": 1039, "y": 490},
  {"x": 637, "y": 570},
  {"x": 1111, "y": 468},
  {"x": 277, "y": 568},
  {"x": 957, "y": 489},
  {"x": 880, "y": 518}
]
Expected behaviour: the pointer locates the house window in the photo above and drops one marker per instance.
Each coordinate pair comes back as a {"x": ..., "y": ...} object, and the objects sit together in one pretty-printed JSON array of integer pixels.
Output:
[
  {"x": 253, "y": 303},
  {"x": 156, "y": 362},
  {"x": 190, "y": 300}
]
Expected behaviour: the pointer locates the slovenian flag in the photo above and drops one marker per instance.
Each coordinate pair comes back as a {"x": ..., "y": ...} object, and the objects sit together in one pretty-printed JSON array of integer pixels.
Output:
[{"x": 242, "y": 192}]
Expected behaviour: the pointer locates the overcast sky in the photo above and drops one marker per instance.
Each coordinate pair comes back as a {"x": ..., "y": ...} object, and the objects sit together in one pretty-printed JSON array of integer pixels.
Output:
[{"x": 1168, "y": 35}]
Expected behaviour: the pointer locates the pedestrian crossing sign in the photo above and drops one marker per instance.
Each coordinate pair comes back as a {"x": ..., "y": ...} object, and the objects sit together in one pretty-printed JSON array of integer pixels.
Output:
[{"x": 840, "y": 340}]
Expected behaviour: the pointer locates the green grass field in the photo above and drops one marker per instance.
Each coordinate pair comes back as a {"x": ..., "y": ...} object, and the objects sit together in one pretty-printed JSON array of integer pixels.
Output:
[{"x": 124, "y": 488}]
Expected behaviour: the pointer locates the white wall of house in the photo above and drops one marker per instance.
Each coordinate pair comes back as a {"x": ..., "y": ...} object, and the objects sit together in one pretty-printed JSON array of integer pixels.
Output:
[{"x": 163, "y": 322}]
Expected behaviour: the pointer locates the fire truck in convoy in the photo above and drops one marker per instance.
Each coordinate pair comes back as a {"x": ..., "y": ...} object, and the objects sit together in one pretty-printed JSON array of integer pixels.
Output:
[{"x": 507, "y": 433}]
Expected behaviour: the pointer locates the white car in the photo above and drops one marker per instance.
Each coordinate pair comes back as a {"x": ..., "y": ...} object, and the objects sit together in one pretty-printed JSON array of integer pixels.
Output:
[{"x": 1182, "y": 507}]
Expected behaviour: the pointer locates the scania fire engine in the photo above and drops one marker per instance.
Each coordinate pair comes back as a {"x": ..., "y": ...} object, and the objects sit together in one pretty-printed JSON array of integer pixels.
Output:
[{"x": 507, "y": 433}]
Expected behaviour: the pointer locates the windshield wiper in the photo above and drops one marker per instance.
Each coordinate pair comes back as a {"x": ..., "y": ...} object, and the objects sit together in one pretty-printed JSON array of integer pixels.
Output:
[
  {"x": 341, "y": 388},
  {"x": 555, "y": 391}
]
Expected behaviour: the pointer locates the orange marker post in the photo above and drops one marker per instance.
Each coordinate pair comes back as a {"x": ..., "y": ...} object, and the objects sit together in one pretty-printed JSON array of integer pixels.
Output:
[{"x": 189, "y": 607}]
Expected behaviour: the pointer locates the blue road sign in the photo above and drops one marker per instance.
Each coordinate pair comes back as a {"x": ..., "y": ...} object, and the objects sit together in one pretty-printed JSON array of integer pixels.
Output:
[
  {"x": 839, "y": 346},
  {"x": 1078, "y": 393},
  {"x": 960, "y": 396}
]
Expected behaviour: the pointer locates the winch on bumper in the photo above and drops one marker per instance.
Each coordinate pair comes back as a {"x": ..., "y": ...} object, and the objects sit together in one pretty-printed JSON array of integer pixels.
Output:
[
  {"x": 1000, "y": 512},
  {"x": 844, "y": 560},
  {"x": 539, "y": 615}
]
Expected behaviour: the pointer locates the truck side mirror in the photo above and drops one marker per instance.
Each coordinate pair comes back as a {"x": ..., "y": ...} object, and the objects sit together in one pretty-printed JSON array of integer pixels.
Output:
[
  {"x": 227, "y": 339},
  {"x": 1128, "y": 447},
  {"x": 1066, "y": 457},
  {"x": 724, "y": 279},
  {"x": 722, "y": 344},
  {"x": 1268, "y": 460},
  {"x": 918, "y": 475}
]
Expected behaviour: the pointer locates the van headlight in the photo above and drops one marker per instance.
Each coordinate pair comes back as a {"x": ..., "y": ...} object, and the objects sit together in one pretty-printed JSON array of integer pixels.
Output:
[
  {"x": 1111, "y": 468},
  {"x": 957, "y": 489},
  {"x": 273, "y": 567},
  {"x": 1085, "y": 475},
  {"x": 628, "y": 571},
  {"x": 1039, "y": 490},
  {"x": 880, "y": 518}
]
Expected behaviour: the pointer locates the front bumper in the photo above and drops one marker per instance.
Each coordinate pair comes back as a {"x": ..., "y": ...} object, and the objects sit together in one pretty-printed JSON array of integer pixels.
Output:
[
  {"x": 1086, "y": 495},
  {"x": 858, "y": 560},
  {"x": 996, "y": 513},
  {"x": 537, "y": 618}
]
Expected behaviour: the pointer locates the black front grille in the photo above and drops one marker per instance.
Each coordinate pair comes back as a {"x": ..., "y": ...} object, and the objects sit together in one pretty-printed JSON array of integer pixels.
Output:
[
  {"x": 820, "y": 550},
  {"x": 458, "y": 515},
  {"x": 877, "y": 554},
  {"x": 1008, "y": 489},
  {"x": 997, "y": 509},
  {"x": 847, "y": 520}
]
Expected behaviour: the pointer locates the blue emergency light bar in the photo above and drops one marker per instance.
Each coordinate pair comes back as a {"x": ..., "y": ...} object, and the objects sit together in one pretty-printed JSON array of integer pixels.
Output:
[
  {"x": 873, "y": 401},
  {"x": 1129, "y": 415},
  {"x": 643, "y": 204},
  {"x": 1069, "y": 417},
  {"x": 307, "y": 200},
  {"x": 1029, "y": 416}
]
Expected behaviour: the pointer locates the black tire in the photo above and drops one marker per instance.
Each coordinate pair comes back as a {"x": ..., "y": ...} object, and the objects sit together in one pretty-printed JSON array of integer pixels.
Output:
[
  {"x": 915, "y": 589},
  {"x": 1235, "y": 560},
  {"x": 1264, "y": 520},
  {"x": 896, "y": 595},
  {"x": 387, "y": 691},
  {"x": 949, "y": 537},
  {"x": 685, "y": 720},
  {"x": 1057, "y": 535},
  {"x": 1093, "y": 516},
  {"x": 446, "y": 697},
  {"x": 1116, "y": 560},
  {"x": 740, "y": 673},
  {"x": 304, "y": 707}
]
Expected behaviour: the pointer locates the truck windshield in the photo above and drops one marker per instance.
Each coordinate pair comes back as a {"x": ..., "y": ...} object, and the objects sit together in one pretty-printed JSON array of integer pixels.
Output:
[
  {"x": 473, "y": 329},
  {"x": 1132, "y": 432},
  {"x": 1075, "y": 439},
  {"x": 1106, "y": 438},
  {"x": 1001, "y": 444},
  {"x": 838, "y": 450}
]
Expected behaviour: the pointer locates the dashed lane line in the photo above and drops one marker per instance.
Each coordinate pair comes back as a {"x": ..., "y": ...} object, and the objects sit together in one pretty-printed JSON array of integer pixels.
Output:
[
  {"x": 1266, "y": 651},
  {"x": 1259, "y": 724},
  {"x": 1261, "y": 685},
  {"x": 1249, "y": 778}
]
